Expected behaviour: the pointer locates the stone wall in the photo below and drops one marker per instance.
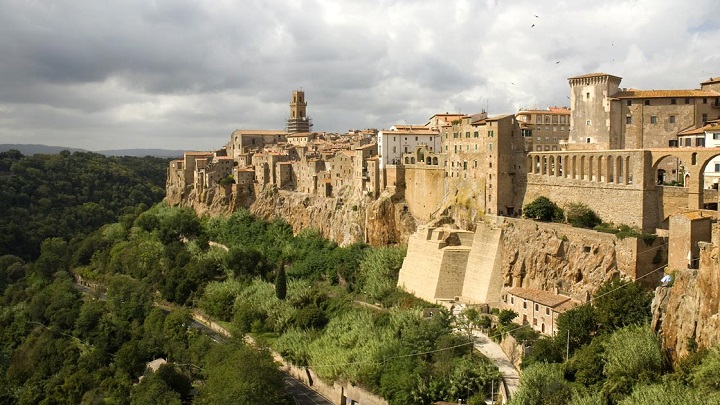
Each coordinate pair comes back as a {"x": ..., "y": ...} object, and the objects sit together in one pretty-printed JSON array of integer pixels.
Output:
[{"x": 424, "y": 190}]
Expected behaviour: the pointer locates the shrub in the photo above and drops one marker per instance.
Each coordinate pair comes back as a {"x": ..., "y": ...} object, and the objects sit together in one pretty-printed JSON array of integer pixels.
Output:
[
  {"x": 581, "y": 216},
  {"x": 543, "y": 209}
]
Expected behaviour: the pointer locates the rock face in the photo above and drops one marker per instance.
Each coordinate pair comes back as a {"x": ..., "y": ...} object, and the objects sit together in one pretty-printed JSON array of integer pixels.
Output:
[
  {"x": 688, "y": 313},
  {"x": 575, "y": 261},
  {"x": 345, "y": 219}
]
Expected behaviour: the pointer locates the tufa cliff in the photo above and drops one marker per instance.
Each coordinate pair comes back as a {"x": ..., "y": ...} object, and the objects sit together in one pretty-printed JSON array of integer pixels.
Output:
[
  {"x": 348, "y": 218},
  {"x": 688, "y": 312}
]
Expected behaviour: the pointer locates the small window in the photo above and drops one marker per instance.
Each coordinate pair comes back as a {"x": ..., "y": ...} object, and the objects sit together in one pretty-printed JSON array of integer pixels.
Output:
[
  {"x": 547, "y": 311},
  {"x": 629, "y": 103},
  {"x": 476, "y": 134},
  {"x": 455, "y": 135},
  {"x": 647, "y": 102},
  {"x": 687, "y": 101},
  {"x": 416, "y": 138},
  {"x": 704, "y": 118},
  {"x": 491, "y": 134},
  {"x": 628, "y": 120},
  {"x": 588, "y": 123},
  {"x": 524, "y": 304},
  {"x": 673, "y": 101},
  {"x": 716, "y": 135},
  {"x": 653, "y": 119},
  {"x": 688, "y": 142},
  {"x": 704, "y": 100},
  {"x": 512, "y": 299},
  {"x": 717, "y": 167},
  {"x": 672, "y": 119},
  {"x": 587, "y": 95},
  {"x": 490, "y": 145},
  {"x": 538, "y": 148},
  {"x": 446, "y": 135},
  {"x": 555, "y": 119},
  {"x": 537, "y": 307},
  {"x": 587, "y": 140}
]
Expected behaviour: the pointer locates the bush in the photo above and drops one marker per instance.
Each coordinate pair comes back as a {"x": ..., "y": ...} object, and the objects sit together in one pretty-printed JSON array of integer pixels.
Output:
[
  {"x": 581, "y": 216},
  {"x": 543, "y": 209}
]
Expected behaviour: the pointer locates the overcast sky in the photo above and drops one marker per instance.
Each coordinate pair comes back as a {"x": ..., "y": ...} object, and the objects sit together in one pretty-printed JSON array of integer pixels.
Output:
[{"x": 183, "y": 74}]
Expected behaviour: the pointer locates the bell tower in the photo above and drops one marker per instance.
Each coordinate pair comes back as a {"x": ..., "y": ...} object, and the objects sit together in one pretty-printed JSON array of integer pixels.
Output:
[{"x": 298, "y": 120}]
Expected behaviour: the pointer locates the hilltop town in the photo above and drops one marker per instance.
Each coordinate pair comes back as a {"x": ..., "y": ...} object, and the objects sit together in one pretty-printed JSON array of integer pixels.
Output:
[{"x": 454, "y": 189}]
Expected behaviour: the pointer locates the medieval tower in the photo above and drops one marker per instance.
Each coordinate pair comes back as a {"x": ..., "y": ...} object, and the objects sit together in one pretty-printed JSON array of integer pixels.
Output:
[
  {"x": 590, "y": 122},
  {"x": 298, "y": 120}
]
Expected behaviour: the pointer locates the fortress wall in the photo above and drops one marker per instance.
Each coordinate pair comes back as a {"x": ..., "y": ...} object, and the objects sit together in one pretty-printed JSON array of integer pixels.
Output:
[
  {"x": 671, "y": 200},
  {"x": 424, "y": 190},
  {"x": 625, "y": 207},
  {"x": 483, "y": 278},
  {"x": 420, "y": 271},
  {"x": 452, "y": 272}
]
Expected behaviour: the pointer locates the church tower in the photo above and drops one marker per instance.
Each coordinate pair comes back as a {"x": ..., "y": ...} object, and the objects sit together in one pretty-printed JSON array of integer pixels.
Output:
[{"x": 298, "y": 120}]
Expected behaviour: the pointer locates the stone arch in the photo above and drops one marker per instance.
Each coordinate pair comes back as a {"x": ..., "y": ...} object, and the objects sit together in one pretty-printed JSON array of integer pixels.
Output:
[
  {"x": 582, "y": 168},
  {"x": 412, "y": 160},
  {"x": 435, "y": 161},
  {"x": 591, "y": 172},
  {"x": 428, "y": 161},
  {"x": 609, "y": 169},
  {"x": 620, "y": 177},
  {"x": 551, "y": 165}
]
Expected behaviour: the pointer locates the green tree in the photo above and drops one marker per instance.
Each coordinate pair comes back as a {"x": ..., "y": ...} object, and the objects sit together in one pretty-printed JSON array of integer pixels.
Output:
[
  {"x": 579, "y": 324},
  {"x": 242, "y": 375},
  {"x": 543, "y": 209},
  {"x": 281, "y": 284},
  {"x": 706, "y": 375},
  {"x": 506, "y": 316},
  {"x": 632, "y": 355},
  {"x": 542, "y": 384},
  {"x": 619, "y": 303}
]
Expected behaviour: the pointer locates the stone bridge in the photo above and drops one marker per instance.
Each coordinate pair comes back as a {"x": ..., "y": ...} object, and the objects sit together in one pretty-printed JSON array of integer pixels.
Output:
[{"x": 620, "y": 185}]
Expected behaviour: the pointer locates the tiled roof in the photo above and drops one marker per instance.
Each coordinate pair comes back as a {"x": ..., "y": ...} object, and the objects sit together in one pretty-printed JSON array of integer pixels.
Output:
[
  {"x": 413, "y": 132},
  {"x": 665, "y": 93},
  {"x": 259, "y": 132},
  {"x": 198, "y": 153},
  {"x": 499, "y": 117},
  {"x": 712, "y": 80},
  {"x": 541, "y": 297}
]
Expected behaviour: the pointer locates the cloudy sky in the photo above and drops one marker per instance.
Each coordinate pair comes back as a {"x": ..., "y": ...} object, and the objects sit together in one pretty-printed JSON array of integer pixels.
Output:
[{"x": 183, "y": 74}]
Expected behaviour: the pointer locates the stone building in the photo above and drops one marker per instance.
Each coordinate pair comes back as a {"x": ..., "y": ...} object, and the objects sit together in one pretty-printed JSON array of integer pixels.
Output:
[
  {"x": 243, "y": 141},
  {"x": 393, "y": 143},
  {"x": 605, "y": 116},
  {"x": 537, "y": 308},
  {"x": 544, "y": 130},
  {"x": 707, "y": 136}
]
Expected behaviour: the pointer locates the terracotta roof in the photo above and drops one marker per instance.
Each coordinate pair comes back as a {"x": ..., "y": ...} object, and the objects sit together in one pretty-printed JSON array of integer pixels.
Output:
[
  {"x": 198, "y": 153},
  {"x": 551, "y": 111},
  {"x": 599, "y": 74},
  {"x": 712, "y": 80},
  {"x": 541, "y": 297},
  {"x": 299, "y": 135},
  {"x": 665, "y": 93},
  {"x": 413, "y": 132},
  {"x": 409, "y": 127},
  {"x": 565, "y": 306},
  {"x": 499, "y": 117},
  {"x": 224, "y": 157},
  {"x": 370, "y": 145},
  {"x": 692, "y": 131}
]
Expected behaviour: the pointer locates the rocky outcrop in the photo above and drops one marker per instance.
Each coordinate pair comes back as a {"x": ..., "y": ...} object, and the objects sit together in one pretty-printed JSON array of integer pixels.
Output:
[
  {"x": 347, "y": 218},
  {"x": 687, "y": 314}
]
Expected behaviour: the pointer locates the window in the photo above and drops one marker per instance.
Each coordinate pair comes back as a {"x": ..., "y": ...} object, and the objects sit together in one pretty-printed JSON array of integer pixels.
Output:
[
  {"x": 476, "y": 147},
  {"x": 647, "y": 102},
  {"x": 537, "y": 307},
  {"x": 555, "y": 119},
  {"x": 673, "y": 101},
  {"x": 455, "y": 134},
  {"x": 562, "y": 128},
  {"x": 538, "y": 119},
  {"x": 587, "y": 123},
  {"x": 467, "y": 134},
  {"x": 687, "y": 101},
  {"x": 672, "y": 119},
  {"x": 547, "y": 311},
  {"x": 628, "y": 120},
  {"x": 394, "y": 149},
  {"x": 476, "y": 134},
  {"x": 524, "y": 304},
  {"x": 455, "y": 148},
  {"x": 704, "y": 100},
  {"x": 446, "y": 135},
  {"x": 562, "y": 119},
  {"x": 490, "y": 145},
  {"x": 688, "y": 142},
  {"x": 587, "y": 95},
  {"x": 491, "y": 134},
  {"x": 539, "y": 139},
  {"x": 547, "y": 119},
  {"x": 653, "y": 119},
  {"x": 512, "y": 299},
  {"x": 554, "y": 147},
  {"x": 700, "y": 142},
  {"x": 629, "y": 103},
  {"x": 717, "y": 167},
  {"x": 704, "y": 118},
  {"x": 416, "y": 138},
  {"x": 547, "y": 147},
  {"x": 467, "y": 148},
  {"x": 587, "y": 140},
  {"x": 555, "y": 139},
  {"x": 538, "y": 148},
  {"x": 716, "y": 135}
]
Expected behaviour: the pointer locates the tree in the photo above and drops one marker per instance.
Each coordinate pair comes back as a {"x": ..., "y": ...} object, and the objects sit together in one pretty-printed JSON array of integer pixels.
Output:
[
  {"x": 242, "y": 375},
  {"x": 619, "y": 303},
  {"x": 281, "y": 283},
  {"x": 542, "y": 384},
  {"x": 632, "y": 355},
  {"x": 543, "y": 209},
  {"x": 506, "y": 316},
  {"x": 579, "y": 324}
]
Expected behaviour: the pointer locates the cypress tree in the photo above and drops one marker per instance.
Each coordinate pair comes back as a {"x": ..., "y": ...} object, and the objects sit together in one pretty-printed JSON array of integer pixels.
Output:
[{"x": 281, "y": 283}]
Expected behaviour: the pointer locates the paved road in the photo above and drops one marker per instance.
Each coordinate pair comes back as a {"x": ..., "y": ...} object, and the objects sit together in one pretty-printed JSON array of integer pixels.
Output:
[
  {"x": 302, "y": 394},
  {"x": 493, "y": 351}
]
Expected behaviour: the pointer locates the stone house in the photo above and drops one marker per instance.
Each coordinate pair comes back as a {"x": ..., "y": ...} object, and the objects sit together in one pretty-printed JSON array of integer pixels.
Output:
[{"x": 537, "y": 308}]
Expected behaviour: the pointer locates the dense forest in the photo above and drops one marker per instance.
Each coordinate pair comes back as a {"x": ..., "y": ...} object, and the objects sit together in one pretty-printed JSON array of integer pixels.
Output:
[{"x": 69, "y": 195}]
